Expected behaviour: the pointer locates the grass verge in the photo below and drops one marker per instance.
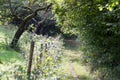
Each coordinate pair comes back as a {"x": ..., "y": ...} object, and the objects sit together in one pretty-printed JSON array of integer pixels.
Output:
[{"x": 6, "y": 53}]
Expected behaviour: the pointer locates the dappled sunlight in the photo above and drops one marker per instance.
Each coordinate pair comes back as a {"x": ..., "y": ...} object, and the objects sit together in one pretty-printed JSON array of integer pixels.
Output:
[
  {"x": 59, "y": 40},
  {"x": 84, "y": 77},
  {"x": 71, "y": 58}
]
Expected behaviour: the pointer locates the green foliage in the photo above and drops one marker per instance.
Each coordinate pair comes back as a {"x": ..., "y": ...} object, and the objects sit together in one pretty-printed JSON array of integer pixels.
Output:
[
  {"x": 16, "y": 8},
  {"x": 46, "y": 61},
  {"x": 6, "y": 53},
  {"x": 102, "y": 34},
  {"x": 47, "y": 58},
  {"x": 98, "y": 23},
  {"x": 65, "y": 16}
]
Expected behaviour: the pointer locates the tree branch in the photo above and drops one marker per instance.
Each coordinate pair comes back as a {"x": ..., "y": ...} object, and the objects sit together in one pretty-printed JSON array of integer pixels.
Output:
[
  {"x": 10, "y": 6},
  {"x": 30, "y": 16},
  {"x": 28, "y": 8},
  {"x": 44, "y": 8}
]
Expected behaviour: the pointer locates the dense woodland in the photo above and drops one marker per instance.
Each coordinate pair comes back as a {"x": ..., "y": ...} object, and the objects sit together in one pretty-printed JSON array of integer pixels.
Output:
[{"x": 47, "y": 27}]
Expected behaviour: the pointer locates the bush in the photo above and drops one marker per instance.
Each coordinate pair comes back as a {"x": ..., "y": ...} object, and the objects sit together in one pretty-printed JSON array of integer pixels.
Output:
[
  {"x": 100, "y": 37},
  {"x": 46, "y": 61}
]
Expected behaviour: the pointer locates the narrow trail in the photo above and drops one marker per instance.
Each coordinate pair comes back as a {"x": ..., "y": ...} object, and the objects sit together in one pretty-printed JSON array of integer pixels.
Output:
[{"x": 72, "y": 70}]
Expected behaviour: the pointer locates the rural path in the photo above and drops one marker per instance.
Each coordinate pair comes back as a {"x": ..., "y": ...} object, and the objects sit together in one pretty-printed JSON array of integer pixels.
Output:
[{"x": 72, "y": 70}]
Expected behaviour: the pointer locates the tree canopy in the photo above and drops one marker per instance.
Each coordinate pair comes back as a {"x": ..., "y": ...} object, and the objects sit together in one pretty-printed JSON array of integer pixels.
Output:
[{"x": 98, "y": 24}]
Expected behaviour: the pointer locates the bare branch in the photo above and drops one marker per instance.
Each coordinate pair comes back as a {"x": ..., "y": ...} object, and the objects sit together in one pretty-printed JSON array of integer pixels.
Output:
[
  {"x": 17, "y": 17},
  {"x": 44, "y": 8},
  {"x": 10, "y": 6},
  {"x": 28, "y": 8},
  {"x": 30, "y": 16}
]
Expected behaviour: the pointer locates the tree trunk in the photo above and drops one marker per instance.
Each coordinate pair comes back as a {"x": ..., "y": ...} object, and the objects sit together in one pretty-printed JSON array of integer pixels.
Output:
[
  {"x": 23, "y": 26},
  {"x": 20, "y": 30},
  {"x": 17, "y": 37}
]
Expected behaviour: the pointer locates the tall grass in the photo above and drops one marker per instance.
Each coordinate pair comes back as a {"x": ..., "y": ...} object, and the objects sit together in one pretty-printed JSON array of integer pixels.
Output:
[
  {"x": 51, "y": 51},
  {"x": 18, "y": 66},
  {"x": 6, "y": 53}
]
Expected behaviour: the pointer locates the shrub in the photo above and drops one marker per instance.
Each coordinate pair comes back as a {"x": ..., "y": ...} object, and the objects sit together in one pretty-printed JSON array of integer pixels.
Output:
[
  {"x": 100, "y": 37},
  {"x": 46, "y": 61}
]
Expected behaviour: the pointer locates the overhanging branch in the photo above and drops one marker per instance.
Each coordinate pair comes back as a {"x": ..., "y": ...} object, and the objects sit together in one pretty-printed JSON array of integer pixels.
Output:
[
  {"x": 44, "y": 8},
  {"x": 28, "y": 8},
  {"x": 30, "y": 16}
]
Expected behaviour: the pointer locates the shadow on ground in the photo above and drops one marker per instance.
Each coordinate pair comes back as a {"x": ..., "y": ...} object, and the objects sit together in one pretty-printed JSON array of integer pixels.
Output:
[{"x": 82, "y": 77}]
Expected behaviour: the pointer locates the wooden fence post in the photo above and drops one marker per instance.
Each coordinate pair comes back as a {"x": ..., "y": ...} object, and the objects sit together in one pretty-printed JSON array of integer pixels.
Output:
[{"x": 32, "y": 43}]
